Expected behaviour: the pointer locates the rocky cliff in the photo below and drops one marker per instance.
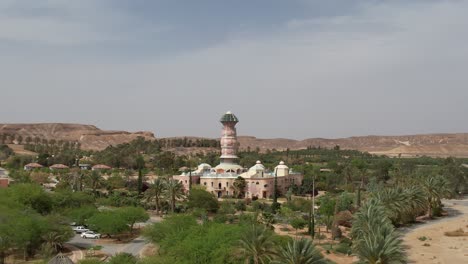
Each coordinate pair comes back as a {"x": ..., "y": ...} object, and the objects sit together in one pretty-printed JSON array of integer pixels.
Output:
[{"x": 90, "y": 137}]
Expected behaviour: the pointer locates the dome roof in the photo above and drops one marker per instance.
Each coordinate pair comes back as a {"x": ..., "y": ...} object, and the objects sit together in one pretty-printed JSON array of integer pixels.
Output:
[
  {"x": 258, "y": 166},
  {"x": 204, "y": 166},
  {"x": 229, "y": 117},
  {"x": 281, "y": 166}
]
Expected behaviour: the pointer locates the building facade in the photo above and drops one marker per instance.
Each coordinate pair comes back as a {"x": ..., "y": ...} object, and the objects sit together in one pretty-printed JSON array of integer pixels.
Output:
[{"x": 220, "y": 180}]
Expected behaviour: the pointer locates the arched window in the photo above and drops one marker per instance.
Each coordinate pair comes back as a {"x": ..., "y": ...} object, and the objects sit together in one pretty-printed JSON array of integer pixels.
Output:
[{"x": 204, "y": 183}]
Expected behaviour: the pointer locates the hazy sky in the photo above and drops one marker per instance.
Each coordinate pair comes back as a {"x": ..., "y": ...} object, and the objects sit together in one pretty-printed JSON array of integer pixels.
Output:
[{"x": 286, "y": 68}]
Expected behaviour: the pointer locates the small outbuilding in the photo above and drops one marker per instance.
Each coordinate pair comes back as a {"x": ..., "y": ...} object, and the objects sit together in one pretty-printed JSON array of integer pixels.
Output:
[
  {"x": 33, "y": 166},
  {"x": 100, "y": 167}
]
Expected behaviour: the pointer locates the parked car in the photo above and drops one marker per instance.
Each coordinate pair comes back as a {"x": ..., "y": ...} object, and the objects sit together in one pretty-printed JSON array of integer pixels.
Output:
[
  {"x": 80, "y": 229},
  {"x": 91, "y": 234}
]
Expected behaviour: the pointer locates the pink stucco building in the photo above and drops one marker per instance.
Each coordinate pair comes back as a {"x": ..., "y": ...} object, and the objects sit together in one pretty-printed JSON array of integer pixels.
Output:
[{"x": 219, "y": 180}]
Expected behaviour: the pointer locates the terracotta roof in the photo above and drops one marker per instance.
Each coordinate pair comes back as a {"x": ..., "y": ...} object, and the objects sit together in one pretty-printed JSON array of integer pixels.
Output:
[
  {"x": 102, "y": 167},
  {"x": 59, "y": 166},
  {"x": 34, "y": 165}
]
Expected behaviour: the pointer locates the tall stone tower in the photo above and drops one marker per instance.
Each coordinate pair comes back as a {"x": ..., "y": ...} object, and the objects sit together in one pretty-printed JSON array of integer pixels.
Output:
[{"x": 229, "y": 142}]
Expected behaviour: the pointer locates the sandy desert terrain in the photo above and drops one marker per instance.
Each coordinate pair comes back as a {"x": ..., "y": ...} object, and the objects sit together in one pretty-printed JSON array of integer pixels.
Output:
[{"x": 438, "y": 248}]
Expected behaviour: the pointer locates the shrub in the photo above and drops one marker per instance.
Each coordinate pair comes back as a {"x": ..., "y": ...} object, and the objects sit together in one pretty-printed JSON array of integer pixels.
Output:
[
  {"x": 320, "y": 236},
  {"x": 123, "y": 258},
  {"x": 457, "y": 233},
  {"x": 257, "y": 206},
  {"x": 240, "y": 206},
  {"x": 343, "y": 248},
  {"x": 220, "y": 218},
  {"x": 423, "y": 238}
]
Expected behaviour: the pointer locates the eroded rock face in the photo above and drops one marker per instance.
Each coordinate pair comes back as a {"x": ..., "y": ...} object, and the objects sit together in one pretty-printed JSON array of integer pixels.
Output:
[
  {"x": 89, "y": 136},
  {"x": 436, "y": 145}
]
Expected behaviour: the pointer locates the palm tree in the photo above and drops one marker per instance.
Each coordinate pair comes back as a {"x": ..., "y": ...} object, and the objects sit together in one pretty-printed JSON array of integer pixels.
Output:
[
  {"x": 94, "y": 180},
  {"x": 374, "y": 237},
  {"x": 256, "y": 245},
  {"x": 54, "y": 240},
  {"x": 416, "y": 202},
  {"x": 155, "y": 193},
  {"x": 402, "y": 204},
  {"x": 435, "y": 188},
  {"x": 300, "y": 252},
  {"x": 174, "y": 190}
]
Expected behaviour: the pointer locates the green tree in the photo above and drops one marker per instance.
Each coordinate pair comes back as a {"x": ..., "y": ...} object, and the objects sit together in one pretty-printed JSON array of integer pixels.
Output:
[
  {"x": 327, "y": 209},
  {"x": 299, "y": 252},
  {"x": 133, "y": 215},
  {"x": 32, "y": 196},
  {"x": 298, "y": 223},
  {"x": 108, "y": 222},
  {"x": 239, "y": 186},
  {"x": 82, "y": 214},
  {"x": 115, "y": 182},
  {"x": 257, "y": 244},
  {"x": 140, "y": 165},
  {"x": 200, "y": 198},
  {"x": 170, "y": 226}
]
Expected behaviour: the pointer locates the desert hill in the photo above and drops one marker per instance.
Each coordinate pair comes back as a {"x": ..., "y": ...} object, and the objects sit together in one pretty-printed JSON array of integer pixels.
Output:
[
  {"x": 93, "y": 138},
  {"x": 90, "y": 137},
  {"x": 436, "y": 145}
]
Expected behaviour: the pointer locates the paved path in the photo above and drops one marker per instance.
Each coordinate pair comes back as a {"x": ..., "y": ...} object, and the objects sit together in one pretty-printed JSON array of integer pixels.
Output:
[
  {"x": 134, "y": 247},
  {"x": 77, "y": 254}
]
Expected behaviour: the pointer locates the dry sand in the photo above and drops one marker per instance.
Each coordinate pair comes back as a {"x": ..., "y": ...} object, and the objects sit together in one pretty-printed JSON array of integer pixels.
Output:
[{"x": 438, "y": 248}]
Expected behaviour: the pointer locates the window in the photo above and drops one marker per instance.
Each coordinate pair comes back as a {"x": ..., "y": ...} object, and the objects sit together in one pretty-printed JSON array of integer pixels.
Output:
[
  {"x": 257, "y": 183},
  {"x": 204, "y": 183},
  {"x": 185, "y": 181},
  {"x": 211, "y": 184},
  {"x": 227, "y": 184},
  {"x": 266, "y": 185}
]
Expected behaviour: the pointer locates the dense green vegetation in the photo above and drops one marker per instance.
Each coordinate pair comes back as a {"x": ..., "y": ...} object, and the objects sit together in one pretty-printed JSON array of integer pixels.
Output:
[
  {"x": 372, "y": 195},
  {"x": 33, "y": 221}
]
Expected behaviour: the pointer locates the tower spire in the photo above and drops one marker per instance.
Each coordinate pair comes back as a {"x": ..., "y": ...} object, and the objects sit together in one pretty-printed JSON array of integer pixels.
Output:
[{"x": 229, "y": 142}]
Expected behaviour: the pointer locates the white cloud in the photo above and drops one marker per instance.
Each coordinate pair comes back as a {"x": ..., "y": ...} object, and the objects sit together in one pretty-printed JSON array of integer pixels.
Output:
[{"x": 60, "y": 22}]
